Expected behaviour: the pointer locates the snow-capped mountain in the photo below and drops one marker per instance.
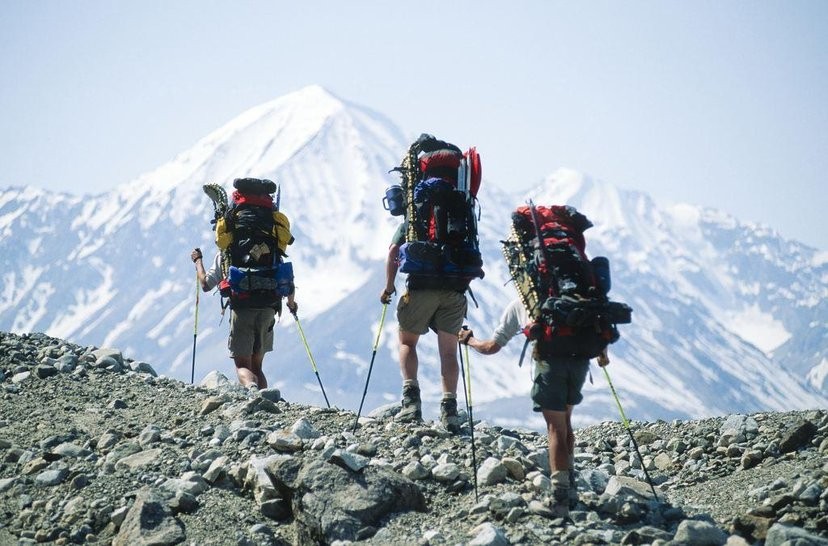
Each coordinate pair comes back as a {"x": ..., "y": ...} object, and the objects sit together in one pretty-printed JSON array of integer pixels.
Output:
[{"x": 728, "y": 317}]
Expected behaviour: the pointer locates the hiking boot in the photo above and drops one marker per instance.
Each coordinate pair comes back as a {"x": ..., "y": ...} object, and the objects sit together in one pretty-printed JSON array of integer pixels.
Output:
[
  {"x": 448, "y": 415},
  {"x": 558, "y": 502},
  {"x": 410, "y": 406}
]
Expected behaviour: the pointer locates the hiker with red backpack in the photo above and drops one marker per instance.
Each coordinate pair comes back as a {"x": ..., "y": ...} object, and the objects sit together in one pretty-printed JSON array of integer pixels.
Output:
[
  {"x": 563, "y": 309},
  {"x": 437, "y": 247},
  {"x": 249, "y": 271}
]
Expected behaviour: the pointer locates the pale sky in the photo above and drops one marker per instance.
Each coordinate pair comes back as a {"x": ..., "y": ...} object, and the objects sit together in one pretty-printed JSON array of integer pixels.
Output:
[{"x": 721, "y": 104}]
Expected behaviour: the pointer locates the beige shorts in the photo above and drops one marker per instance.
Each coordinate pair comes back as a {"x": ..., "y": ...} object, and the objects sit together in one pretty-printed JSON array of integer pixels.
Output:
[
  {"x": 251, "y": 331},
  {"x": 440, "y": 310}
]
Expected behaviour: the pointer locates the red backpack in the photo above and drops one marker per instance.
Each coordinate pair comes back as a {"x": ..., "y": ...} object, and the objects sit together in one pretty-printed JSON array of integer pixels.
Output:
[{"x": 564, "y": 292}]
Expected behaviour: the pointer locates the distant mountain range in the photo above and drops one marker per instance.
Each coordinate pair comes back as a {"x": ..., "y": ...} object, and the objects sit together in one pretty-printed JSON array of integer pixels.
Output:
[{"x": 728, "y": 316}]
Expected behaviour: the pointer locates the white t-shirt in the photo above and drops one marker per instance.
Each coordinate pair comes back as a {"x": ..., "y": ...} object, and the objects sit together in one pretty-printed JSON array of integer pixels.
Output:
[
  {"x": 512, "y": 321},
  {"x": 213, "y": 275}
]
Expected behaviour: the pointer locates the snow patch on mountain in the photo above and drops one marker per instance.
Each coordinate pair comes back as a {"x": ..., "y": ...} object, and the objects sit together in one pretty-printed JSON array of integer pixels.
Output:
[{"x": 758, "y": 327}]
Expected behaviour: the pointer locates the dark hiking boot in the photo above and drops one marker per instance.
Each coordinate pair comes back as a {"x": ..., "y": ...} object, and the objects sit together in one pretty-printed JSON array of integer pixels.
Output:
[
  {"x": 411, "y": 406},
  {"x": 448, "y": 415}
]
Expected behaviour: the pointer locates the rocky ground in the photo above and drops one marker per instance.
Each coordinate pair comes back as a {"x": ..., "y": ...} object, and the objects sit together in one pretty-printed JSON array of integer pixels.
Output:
[{"x": 95, "y": 449}]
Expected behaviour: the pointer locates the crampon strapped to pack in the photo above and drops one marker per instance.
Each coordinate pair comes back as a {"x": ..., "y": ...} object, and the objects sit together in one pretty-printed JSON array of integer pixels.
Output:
[
  {"x": 563, "y": 291},
  {"x": 438, "y": 197},
  {"x": 252, "y": 236}
]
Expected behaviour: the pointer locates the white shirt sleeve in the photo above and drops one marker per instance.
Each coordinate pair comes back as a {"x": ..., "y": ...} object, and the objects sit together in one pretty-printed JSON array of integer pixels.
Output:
[
  {"x": 213, "y": 275},
  {"x": 511, "y": 323}
]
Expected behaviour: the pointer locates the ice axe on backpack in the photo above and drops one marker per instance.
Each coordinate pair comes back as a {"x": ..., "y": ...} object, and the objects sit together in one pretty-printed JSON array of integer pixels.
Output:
[
  {"x": 603, "y": 360},
  {"x": 371, "y": 366},
  {"x": 310, "y": 356},
  {"x": 465, "y": 373}
]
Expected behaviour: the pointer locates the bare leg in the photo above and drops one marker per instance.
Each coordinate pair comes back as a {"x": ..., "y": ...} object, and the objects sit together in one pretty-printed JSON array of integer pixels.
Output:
[
  {"x": 558, "y": 436},
  {"x": 449, "y": 369},
  {"x": 256, "y": 368},
  {"x": 245, "y": 370},
  {"x": 408, "y": 355}
]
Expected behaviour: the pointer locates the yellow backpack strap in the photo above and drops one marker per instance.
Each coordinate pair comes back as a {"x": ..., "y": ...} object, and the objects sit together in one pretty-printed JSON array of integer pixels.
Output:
[{"x": 281, "y": 231}]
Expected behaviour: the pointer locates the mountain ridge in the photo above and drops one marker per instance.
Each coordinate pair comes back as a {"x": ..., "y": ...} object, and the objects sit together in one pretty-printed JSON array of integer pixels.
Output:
[{"x": 114, "y": 270}]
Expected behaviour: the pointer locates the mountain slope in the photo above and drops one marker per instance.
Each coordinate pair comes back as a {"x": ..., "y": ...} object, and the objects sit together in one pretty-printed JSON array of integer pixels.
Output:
[{"x": 729, "y": 317}]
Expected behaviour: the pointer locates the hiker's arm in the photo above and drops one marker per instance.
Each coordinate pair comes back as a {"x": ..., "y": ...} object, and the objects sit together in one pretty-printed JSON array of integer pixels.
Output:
[
  {"x": 291, "y": 303},
  {"x": 482, "y": 346},
  {"x": 391, "y": 265},
  {"x": 198, "y": 260}
]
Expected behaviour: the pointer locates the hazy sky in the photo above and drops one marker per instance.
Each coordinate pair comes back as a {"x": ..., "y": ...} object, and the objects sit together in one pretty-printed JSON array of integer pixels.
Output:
[{"x": 713, "y": 103}]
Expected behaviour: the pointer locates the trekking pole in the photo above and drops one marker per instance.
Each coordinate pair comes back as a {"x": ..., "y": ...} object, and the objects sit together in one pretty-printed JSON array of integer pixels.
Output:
[
  {"x": 310, "y": 356},
  {"x": 371, "y": 366},
  {"x": 465, "y": 373},
  {"x": 195, "y": 329},
  {"x": 626, "y": 422}
]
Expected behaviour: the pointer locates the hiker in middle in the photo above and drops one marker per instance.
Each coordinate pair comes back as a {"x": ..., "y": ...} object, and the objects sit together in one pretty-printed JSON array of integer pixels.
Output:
[{"x": 436, "y": 246}]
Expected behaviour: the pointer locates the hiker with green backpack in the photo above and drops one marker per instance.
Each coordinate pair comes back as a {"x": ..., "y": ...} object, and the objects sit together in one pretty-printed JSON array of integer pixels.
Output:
[
  {"x": 249, "y": 271},
  {"x": 563, "y": 310},
  {"x": 437, "y": 247}
]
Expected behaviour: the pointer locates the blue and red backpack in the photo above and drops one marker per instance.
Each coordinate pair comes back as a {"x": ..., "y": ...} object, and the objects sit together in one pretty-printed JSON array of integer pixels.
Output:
[{"x": 439, "y": 189}]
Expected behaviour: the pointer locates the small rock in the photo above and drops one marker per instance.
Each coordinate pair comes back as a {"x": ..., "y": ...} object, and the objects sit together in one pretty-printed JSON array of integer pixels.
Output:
[
  {"x": 699, "y": 533},
  {"x": 45, "y": 370},
  {"x": 304, "y": 430},
  {"x": 284, "y": 441},
  {"x": 21, "y": 377},
  {"x": 783, "y": 535},
  {"x": 139, "y": 459},
  {"x": 149, "y": 521},
  {"x": 211, "y": 404},
  {"x": 491, "y": 472},
  {"x": 272, "y": 394},
  {"x": 798, "y": 435},
  {"x": 142, "y": 367},
  {"x": 415, "y": 471},
  {"x": 487, "y": 534},
  {"x": 214, "y": 380},
  {"x": 445, "y": 472},
  {"x": 622, "y": 485},
  {"x": 349, "y": 461},
  {"x": 49, "y": 478}
]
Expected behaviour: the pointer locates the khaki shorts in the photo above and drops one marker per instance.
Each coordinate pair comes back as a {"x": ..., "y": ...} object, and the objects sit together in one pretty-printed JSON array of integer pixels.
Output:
[
  {"x": 558, "y": 383},
  {"x": 440, "y": 310},
  {"x": 251, "y": 331}
]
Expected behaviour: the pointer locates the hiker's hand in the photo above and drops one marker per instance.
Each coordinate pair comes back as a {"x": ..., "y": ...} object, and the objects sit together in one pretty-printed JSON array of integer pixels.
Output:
[
  {"x": 603, "y": 358},
  {"x": 195, "y": 255},
  {"x": 385, "y": 297},
  {"x": 464, "y": 335},
  {"x": 292, "y": 306}
]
